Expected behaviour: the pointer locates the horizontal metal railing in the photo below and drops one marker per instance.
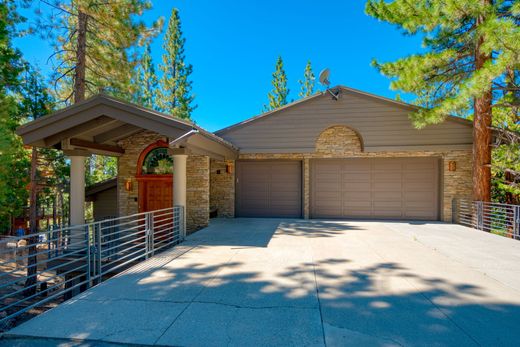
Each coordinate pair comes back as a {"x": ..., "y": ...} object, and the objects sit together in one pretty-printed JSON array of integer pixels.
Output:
[
  {"x": 496, "y": 218},
  {"x": 40, "y": 270}
]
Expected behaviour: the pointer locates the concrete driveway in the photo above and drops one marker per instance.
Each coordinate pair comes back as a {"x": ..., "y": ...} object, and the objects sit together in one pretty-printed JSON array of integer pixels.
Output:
[{"x": 267, "y": 282}]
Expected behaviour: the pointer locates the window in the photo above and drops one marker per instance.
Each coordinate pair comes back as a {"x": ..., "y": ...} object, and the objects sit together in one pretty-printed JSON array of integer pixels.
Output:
[{"x": 157, "y": 162}]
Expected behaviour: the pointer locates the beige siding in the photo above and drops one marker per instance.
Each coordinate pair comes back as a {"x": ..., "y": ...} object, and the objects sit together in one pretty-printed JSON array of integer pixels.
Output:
[{"x": 382, "y": 125}]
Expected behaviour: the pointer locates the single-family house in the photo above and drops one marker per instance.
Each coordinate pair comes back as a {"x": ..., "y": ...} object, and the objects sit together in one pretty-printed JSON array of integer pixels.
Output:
[{"x": 341, "y": 153}]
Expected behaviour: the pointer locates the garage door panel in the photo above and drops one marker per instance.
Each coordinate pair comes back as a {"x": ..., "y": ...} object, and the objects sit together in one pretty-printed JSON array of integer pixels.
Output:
[
  {"x": 375, "y": 188},
  {"x": 324, "y": 196},
  {"x": 355, "y": 176},
  {"x": 419, "y": 196},
  {"x": 268, "y": 189},
  {"x": 384, "y": 164},
  {"x": 356, "y": 187},
  {"x": 352, "y": 197},
  {"x": 356, "y": 165}
]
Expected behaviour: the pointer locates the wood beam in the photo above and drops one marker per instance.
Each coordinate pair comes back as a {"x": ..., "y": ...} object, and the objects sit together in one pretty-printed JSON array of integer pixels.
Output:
[
  {"x": 78, "y": 130},
  {"x": 96, "y": 146},
  {"x": 117, "y": 133}
]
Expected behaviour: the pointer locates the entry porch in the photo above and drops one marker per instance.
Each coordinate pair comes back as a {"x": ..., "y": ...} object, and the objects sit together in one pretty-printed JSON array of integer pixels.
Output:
[{"x": 162, "y": 161}]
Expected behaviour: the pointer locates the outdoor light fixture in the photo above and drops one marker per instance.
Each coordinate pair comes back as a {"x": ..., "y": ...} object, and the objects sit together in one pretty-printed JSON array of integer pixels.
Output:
[
  {"x": 452, "y": 166},
  {"x": 129, "y": 185},
  {"x": 228, "y": 168}
]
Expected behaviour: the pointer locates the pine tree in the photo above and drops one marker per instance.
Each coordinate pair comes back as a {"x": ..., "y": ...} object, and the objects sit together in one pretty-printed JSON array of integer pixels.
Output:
[
  {"x": 145, "y": 82},
  {"x": 470, "y": 47},
  {"x": 14, "y": 161},
  {"x": 175, "y": 95},
  {"x": 35, "y": 103},
  {"x": 95, "y": 45},
  {"x": 278, "y": 95},
  {"x": 307, "y": 85}
]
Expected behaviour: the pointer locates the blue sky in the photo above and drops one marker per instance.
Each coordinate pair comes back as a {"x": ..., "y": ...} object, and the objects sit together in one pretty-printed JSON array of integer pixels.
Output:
[{"x": 233, "y": 46}]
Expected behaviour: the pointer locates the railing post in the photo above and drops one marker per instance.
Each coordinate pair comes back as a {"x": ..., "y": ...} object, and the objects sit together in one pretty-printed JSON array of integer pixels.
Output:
[
  {"x": 89, "y": 252},
  {"x": 455, "y": 211},
  {"x": 480, "y": 215},
  {"x": 516, "y": 222},
  {"x": 152, "y": 234},
  {"x": 148, "y": 220},
  {"x": 98, "y": 257},
  {"x": 178, "y": 211}
]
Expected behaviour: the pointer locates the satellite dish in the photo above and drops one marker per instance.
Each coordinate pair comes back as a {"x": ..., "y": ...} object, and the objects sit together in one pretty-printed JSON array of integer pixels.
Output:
[{"x": 324, "y": 77}]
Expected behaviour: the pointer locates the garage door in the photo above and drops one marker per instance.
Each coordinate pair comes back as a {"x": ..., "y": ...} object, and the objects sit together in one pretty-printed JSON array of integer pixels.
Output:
[
  {"x": 393, "y": 188},
  {"x": 269, "y": 189}
]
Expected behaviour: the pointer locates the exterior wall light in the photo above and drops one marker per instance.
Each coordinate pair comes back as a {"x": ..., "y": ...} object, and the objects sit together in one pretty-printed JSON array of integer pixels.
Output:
[
  {"x": 229, "y": 168},
  {"x": 452, "y": 166},
  {"x": 129, "y": 186}
]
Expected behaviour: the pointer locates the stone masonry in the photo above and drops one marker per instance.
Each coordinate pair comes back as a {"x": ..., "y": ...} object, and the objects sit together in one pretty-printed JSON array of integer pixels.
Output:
[
  {"x": 338, "y": 140},
  {"x": 222, "y": 188},
  {"x": 197, "y": 194}
]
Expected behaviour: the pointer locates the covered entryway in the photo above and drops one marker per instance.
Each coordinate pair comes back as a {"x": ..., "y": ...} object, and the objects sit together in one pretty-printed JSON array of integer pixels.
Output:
[
  {"x": 387, "y": 188},
  {"x": 269, "y": 188},
  {"x": 103, "y": 125},
  {"x": 154, "y": 174}
]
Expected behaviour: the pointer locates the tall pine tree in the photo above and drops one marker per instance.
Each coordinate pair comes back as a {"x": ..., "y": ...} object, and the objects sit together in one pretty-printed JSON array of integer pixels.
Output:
[
  {"x": 14, "y": 161},
  {"x": 175, "y": 95},
  {"x": 278, "y": 95},
  {"x": 470, "y": 47},
  {"x": 94, "y": 44},
  {"x": 308, "y": 84},
  {"x": 145, "y": 82}
]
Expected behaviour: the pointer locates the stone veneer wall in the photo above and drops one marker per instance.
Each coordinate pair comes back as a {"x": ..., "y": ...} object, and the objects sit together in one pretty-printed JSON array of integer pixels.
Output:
[
  {"x": 341, "y": 142},
  {"x": 222, "y": 188},
  {"x": 197, "y": 170},
  {"x": 197, "y": 193}
]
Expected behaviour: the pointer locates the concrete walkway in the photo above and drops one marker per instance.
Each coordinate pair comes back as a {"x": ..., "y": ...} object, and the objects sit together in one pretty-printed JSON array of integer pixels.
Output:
[{"x": 267, "y": 282}]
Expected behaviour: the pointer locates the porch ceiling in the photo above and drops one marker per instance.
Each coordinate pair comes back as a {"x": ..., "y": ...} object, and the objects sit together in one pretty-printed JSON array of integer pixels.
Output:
[{"x": 95, "y": 126}]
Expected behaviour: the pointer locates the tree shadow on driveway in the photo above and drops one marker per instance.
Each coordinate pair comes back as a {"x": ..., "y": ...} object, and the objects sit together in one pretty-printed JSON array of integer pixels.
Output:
[{"x": 211, "y": 302}]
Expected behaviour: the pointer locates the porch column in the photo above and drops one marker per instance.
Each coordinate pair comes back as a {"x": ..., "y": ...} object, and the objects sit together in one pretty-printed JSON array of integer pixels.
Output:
[
  {"x": 77, "y": 190},
  {"x": 179, "y": 186}
]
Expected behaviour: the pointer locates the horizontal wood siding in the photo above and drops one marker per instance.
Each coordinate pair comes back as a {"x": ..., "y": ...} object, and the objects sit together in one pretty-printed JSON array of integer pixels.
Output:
[{"x": 380, "y": 123}]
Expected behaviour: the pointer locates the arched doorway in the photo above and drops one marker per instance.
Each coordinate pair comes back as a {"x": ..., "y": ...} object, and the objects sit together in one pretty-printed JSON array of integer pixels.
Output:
[{"x": 154, "y": 174}]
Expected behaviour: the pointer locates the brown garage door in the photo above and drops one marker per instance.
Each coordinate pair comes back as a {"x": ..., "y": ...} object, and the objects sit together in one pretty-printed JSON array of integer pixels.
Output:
[
  {"x": 269, "y": 189},
  {"x": 393, "y": 188}
]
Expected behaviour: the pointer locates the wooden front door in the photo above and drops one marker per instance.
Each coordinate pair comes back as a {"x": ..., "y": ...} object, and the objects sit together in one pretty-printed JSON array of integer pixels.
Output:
[
  {"x": 155, "y": 195},
  {"x": 154, "y": 174}
]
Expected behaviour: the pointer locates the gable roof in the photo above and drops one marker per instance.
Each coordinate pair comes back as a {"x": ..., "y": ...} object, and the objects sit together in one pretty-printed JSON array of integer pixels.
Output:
[
  {"x": 103, "y": 120},
  {"x": 397, "y": 103}
]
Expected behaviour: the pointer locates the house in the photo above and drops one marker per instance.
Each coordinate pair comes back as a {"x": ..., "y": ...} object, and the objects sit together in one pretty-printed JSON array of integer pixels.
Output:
[{"x": 340, "y": 153}]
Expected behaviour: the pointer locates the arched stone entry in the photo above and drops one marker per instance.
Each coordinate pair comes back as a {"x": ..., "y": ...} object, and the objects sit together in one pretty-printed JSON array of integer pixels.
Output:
[
  {"x": 339, "y": 140},
  {"x": 154, "y": 174}
]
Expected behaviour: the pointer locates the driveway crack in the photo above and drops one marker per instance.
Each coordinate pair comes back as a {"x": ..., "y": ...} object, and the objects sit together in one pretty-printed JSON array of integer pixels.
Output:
[
  {"x": 318, "y": 298},
  {"x": 195, "y": 297}
]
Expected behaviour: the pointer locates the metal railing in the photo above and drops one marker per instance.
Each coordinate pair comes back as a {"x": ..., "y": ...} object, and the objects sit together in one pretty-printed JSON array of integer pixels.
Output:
[
  {"x": 496, "y": 218},
  {"x": 41, "y": 270}
]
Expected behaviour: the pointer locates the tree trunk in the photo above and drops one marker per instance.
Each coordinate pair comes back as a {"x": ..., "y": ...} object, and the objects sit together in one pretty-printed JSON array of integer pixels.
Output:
[
  {"x": 482, "y": 131},
  {"x": 54, "y": 211},
  {"x": 32, "y": 267},
  {"x": 81, "y": 57}
]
